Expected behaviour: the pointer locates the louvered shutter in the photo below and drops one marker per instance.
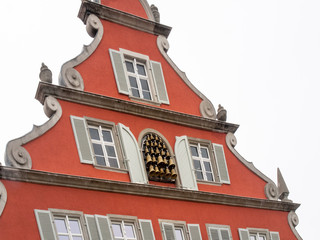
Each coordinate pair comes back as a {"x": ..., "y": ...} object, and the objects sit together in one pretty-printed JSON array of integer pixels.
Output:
[
  {"x": 225, "y": 235},
  {"x": 45, "y": 225},
  {"x": 119, "y": 71},
  {"x": 275, "y": 236},
  {"x": 92, "y": 227},
  {"x": 82, "y": 139},
  {"x": 104, "y": 228},
  {"x": 146, "y": 229},
  {"x": 194, "y": 231},
  {"x": 132, "y": 155},
  {"x": 244, "y": 234},
  {"x": 221, "y": 162},
  {"x": 168, "y": 230},
  {"x": 214, "y": 234},
  {"x": 185, "y": 164},
  {"x": 159, "y": 82}
]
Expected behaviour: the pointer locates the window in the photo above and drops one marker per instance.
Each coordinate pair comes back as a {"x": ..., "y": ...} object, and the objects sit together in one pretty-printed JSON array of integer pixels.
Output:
[
  {"x": 202, "y": 162},
  {"x": 103, "y": 146},
  {"x": 219, "y": 232},
  {"x": 138, "y": 77},
  {"x": 97, "y": 142},
  {"x": 123, "y": 230},
  {"x": 61, "y": 224},
  {"x": 159, "y": 163},
  {"x": 258, "y": 234},
  {"x": 173, "y": 230},
  {"x": 68, "y": 228}
]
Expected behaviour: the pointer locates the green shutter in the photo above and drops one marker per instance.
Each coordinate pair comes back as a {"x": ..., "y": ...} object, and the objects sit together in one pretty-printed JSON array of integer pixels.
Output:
[
  {"x": 275, "y": 236},
  {"x": 225, "y": 234},
  {"x": 214, "y": 234},
  {"x": 146, "y": 229},
  {"x": 132, "y": 155},
  {"x": 194, "y": 231},
  {"x": 104, "y": 227},
  {"x": 185, "y": 164},
  {"x": 45, "y": 224},
  {"x": 159, "y": 82},
  {"x": 82, "y": 139},
  {"x": 168, "y": 230},
  {"x": 92, "y": 227},
  {"x": 119, "y": 71},
  {"x": 221, "y": 162},
  {"x": 243, "y": 234}
]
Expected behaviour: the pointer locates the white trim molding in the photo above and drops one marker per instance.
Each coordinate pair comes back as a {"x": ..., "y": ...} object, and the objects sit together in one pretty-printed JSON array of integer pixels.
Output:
[
  {"x": 3, "y": 197},
  {"x": 293, "y": 221},
  {"x": 69, "y": 76},
  {"x": 16, "y": 155}
]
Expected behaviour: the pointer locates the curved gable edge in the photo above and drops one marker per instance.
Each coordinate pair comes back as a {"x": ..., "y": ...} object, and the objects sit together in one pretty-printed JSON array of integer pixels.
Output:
[
  {"x": 271, "y": 190},
  {"x": 3, "y": 197},
  {"x": 207, "y": 109},
  {"x": 16, "y": 155}
]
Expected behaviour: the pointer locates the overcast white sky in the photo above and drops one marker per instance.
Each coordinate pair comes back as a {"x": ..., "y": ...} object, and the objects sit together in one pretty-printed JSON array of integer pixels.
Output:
[{"x": 259, "y": 59}]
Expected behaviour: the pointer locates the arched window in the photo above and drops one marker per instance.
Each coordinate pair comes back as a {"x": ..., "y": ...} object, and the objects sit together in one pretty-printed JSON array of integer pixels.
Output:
[{"x": 160, "y": 165}]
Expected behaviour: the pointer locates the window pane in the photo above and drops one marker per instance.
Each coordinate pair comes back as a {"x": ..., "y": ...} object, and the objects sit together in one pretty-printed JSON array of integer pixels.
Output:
[
  {"x": 133, "y": 82},
  {"x": 207, "y": 166},
  {"x": 94, "y": 134},
  {"x": 63, "y": 238},
  {"x": 129, "y": 231},
  {"x": 209, "y": 177},
  {"x": 113, "y": 162},
  {"x": 141, "y": 70},
  {"x": 117, "y": 230},
  {"x": 199, "y": 175},
  {"x": 253, "y": 238},
  {"x": 110, "y": 151},
  {"x": 74, "y": 226},
  {"x": 144, "y": 84},
  {"x": 194, "y": 151},
  {"x": 77, "y": 238},
  {"x": 146, "y": 95},
  {"x": 60, "y": 225},
  {"x": 197, "y": 165},
  {"x": 101, "y": 161},
  {"x": 129, "y": 66},
  {"x": 261, "y": 238},
  {"x": 97, "y": 149},
  {"x": 179, "y": 234},
  {"x": 106, "y": 136},
  {"x": 204, "y": 153},
  {"x": 135, "y": 92}
]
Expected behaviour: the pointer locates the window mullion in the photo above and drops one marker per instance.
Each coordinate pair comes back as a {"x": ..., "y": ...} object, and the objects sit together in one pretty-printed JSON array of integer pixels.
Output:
[{"x": 201, "y": 163}]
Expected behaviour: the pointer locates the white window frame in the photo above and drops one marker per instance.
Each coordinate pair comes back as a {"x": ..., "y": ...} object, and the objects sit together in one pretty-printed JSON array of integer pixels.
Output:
[
  {"x": 259, "y": 232},
  {"x": 142, "y": 59},
  {"x": 111, "y": 127},
  {"x": 218, "y": 228},
  {"x": 177, "y": 225},
  {"x": 66, "y": 215},
  {"x": 130, "y": 220},
  {"x": 214, "y": 169}
]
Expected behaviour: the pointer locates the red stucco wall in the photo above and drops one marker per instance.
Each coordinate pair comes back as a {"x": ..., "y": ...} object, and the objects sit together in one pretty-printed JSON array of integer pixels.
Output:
[
  {"x": 25, "y": 197},
  {"x": 130, "y": 6}
]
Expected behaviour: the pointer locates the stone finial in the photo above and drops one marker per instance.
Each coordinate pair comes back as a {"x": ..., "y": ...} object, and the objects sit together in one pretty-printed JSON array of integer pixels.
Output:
[
  {"x": 45, "y": 74},
  {"x": 282, "y": 188},
  {"x": 222, "y": 114},
  {"x": 155, "y": 13}
]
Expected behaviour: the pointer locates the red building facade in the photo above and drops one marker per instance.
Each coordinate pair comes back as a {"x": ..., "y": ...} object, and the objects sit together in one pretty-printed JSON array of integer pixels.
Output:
[{"x": 132, "y": 150}]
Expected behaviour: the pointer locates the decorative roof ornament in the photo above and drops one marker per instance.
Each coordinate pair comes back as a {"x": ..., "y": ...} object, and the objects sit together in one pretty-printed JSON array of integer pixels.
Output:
[
  {"x": 282, "y": 188},
  {"x": 45, "y": 74},
  {"x": 222, "y": 114},
  {"x": 155, "y": 13}
]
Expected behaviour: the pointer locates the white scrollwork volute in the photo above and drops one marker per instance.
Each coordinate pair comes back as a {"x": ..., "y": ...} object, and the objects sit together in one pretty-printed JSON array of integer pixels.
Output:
[
  {"x": 231, "y": 139},
  {"x": 69, "y": 76},
  {"x": 271, "y": 191},
  {"x": 163, "y": 42},
  {"x": 207, "y": 109},
  {"x": 293, "y": 221},
  {"x": 16, "y": 155},
  {"x": 3, "y": 197}
]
